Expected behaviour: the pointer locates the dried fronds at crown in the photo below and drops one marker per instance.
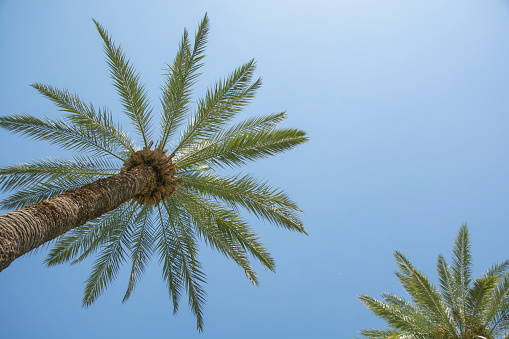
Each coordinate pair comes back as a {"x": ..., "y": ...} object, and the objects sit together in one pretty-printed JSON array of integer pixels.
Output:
[{"x": 163, "y": 167}]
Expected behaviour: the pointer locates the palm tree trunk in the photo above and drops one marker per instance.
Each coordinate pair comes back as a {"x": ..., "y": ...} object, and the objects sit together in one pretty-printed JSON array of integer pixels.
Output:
[{"x": 29, "y": 227}]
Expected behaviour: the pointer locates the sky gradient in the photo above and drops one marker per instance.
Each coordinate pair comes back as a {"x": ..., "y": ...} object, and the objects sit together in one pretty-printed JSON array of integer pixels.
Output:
[{"x": 407, "y": 109}]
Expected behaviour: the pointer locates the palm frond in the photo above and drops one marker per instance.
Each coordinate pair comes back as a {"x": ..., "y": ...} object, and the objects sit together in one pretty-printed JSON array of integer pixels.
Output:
[
  {"x": 478, "y": 299},
  {"x": 181, "y": 77},
  {"x": 168, "y": 248},
  {"x": 450, "y": 291},
  {"x": 462, "y": 260},
  {"x": 59, "y": 132},
  {"x": 141, "y": 248},
  {"x": 403, "y": 305},
  {"x": 225, "y": 221},
  {"x": 240, "y": 149},
  {"x": 462, "y": 268},
  {"x": 498, "y": 269},
  {"x": 43, "y": 191},
  {"x": 85, "y": 240},
  {"x": 178, "y": 251},
  {"x": 55, "y": 169},
  {"x": 107, "y": 265},
  {"x": 220, "y": 105},
  {"x": 497, "y": 315},
  {"x": 395, "y": 318},
  {"x": 252, "y": 124},
  {"x": 497, "y": 308},
  {"x": 215, "y": 230},
  {"x": 381, "y": 334},
  {"x": 423, "y": 292},
  {"x": 258, "y": 197},
  {"x": 500, "y": 323},
  {"x": 85, "y": 117},
  {"x": 127, "y": 82},
  {"x": 31, "y": 196}
]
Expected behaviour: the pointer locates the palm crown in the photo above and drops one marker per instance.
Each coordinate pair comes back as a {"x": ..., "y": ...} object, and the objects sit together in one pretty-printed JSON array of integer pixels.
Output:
[
  {"x": 196, "y": 203},
  {"x": 462, "y": 308}
]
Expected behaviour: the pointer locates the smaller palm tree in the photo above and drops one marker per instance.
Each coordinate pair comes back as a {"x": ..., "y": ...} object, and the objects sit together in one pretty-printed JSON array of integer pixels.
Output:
[{"x": 463, "y": 308}]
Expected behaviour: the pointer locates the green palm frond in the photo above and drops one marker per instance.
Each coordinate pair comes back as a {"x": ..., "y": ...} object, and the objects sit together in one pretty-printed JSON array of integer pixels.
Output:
[
  {"x": 141, "y": 248},
  {"x": 499, "y": 328},
  {"x": 250, "y": 193},
  {"x": 253, "y": 124},
  {"x": 127, "y": 82},
  {"x": 405, "y": 306},
  {"x": 81, "y": 242},
  {"x": 220, "y": 105},
  {"x": 107, "y": 265},
  {"x": 42, "y": 191},
  {"x": 382, "y": 334},
  {"x": 226, "y": 143},
  {"x": 423, "y": 292},
  {"x": 498, "y": 269},
  {"x": 498, "y": 307},
  {"x": 223, "y": 220},
  {"x": 462, "y": 260},
  {"x": 221, "y": 229},
  {"x": 55, "y": 169},
  {"x": 450, "y": 290},
  {"x": 237, "y": 150},
  {"x": 461, "y": 268},
  {"x": 168, "y": 249},
  {"x": 33, "y": 195},
  {"x": 85, "y": 117},
  {"x": 181, "y": 77},
  {"x": 178, "y": 252},
  {"x": 59, "y": 132},
  {"x": 478, "y": 299},
  {"x": 411, "y": 311},
  {"x": 397, "y": 319},
  {"x": 222, "y": 241},
  {"x": 44, "y": 179}
]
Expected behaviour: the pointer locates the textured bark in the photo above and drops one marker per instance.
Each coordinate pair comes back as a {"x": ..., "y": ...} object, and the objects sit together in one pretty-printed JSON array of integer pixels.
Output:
[{"x": 29, "y": 227}]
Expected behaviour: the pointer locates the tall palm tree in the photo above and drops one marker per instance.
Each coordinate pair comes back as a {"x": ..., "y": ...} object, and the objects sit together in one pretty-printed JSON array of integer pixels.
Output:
[
  {"x": 122, "y": 202},
  {"x": 463, "y": 308}
]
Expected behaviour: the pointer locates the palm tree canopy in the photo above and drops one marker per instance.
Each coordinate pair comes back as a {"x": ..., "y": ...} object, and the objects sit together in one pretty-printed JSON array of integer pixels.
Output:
[
  {"x": 462, "y": 307},
  {"x": 196, "y": 202}
]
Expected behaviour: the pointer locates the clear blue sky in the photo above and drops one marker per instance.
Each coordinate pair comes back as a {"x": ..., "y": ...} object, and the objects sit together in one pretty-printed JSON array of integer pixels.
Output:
[{"x": 407, "y": 108}]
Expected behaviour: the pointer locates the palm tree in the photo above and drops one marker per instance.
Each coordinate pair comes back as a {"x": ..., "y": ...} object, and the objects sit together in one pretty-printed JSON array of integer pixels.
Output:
[
  {"x": 122, "y": 202},
  {"x": 463, "y": 308}
]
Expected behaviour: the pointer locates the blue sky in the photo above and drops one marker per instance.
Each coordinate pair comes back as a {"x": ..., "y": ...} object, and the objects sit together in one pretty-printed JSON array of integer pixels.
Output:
[{"x": 406, "y": 106}]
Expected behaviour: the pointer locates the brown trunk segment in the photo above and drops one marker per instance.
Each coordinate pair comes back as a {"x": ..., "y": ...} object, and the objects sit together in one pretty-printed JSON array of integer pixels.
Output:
[{"x": 29, "y": 227}]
